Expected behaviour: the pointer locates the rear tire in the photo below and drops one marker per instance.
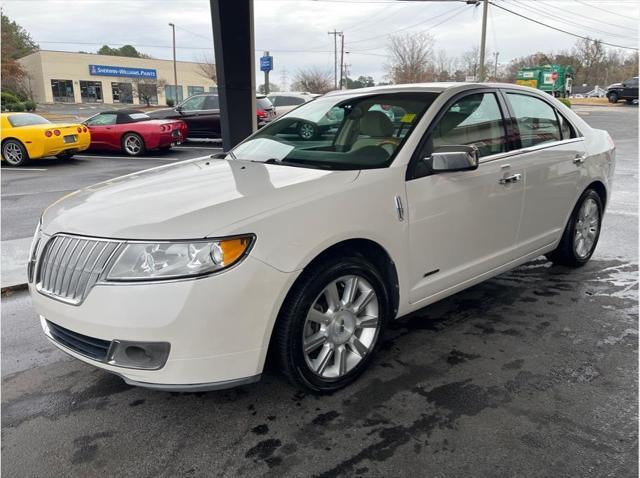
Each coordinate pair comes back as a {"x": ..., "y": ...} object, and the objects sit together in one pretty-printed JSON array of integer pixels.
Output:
[
  {"x": 133, "y": 144},
  {"x": 14, "y": 153},
  {"x": 581, "y": 234},
  {"x": 331, "y": 322}
]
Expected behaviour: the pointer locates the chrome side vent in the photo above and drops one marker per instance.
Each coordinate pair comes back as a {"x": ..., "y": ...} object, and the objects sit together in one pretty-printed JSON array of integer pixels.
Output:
[{"x": 69, "y": 266}]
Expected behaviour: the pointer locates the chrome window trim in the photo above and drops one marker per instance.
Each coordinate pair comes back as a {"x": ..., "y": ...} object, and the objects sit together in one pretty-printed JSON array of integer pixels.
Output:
[{"x": 530, "y": 149}]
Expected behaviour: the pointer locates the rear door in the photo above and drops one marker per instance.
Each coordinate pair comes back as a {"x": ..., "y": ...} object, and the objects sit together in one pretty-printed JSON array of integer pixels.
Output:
[
  {"x": 463, "y": 224},
  {"x": 630, "y": 88},
  {"x": 552, "y": 155}
]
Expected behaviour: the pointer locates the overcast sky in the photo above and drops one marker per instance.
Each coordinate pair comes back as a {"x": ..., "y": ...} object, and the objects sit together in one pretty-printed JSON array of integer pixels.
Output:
[{"x": 285, "y": 27}]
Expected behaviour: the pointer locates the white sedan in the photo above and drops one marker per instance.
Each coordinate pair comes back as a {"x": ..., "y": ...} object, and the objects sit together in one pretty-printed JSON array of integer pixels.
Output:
[{"x": 183, "y": 276}]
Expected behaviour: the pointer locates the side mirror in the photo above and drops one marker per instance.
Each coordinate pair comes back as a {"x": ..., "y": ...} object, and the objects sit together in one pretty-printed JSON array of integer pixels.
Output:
[
  {"x": 178, "y": 109},
  {"x": 453, "y": 158}
]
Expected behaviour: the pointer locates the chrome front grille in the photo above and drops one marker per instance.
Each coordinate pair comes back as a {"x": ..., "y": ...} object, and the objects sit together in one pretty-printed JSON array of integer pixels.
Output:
[{"x": 70, "y": 266}]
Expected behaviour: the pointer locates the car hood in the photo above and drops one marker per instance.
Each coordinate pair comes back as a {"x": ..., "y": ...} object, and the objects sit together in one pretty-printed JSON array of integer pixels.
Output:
[
  {"x": 187, "y": 200},
  {"x": 614, "y": 85}
]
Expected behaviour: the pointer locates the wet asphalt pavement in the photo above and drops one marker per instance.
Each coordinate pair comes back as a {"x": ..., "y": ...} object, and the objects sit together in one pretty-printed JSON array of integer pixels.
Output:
[{"x": 532, "y": 373}]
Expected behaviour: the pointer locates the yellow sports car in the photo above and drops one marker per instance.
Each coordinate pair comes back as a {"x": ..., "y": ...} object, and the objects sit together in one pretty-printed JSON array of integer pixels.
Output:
[{"x": 29, "y": 136}]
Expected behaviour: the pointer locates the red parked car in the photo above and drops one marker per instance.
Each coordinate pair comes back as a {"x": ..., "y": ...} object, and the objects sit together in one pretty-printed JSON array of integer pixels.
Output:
[{"x": 133, "y": 132}]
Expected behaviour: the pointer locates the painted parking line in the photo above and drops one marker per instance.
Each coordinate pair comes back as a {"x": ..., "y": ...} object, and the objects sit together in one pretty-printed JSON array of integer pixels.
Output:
[
  {"x": 23, "y": 169},
  {"x": 218, "y": 148},
  {"x": 132, "y": 158}
]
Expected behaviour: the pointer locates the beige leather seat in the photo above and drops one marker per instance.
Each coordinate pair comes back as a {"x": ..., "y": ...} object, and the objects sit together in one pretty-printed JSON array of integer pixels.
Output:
[{"x": 378, "y": 129}]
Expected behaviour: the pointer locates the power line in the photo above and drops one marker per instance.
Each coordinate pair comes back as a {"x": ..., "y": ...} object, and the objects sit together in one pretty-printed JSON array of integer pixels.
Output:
[
  {"x": 455, "y": 12},
  {"x": 568, "y": 22},
  {"x": 617, "y": 14},
  {"x": 597, "y": 20},
  {"x": 559, "y": 29}
]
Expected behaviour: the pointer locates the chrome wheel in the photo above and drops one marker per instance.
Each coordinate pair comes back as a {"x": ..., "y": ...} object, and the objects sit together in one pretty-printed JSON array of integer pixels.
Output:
[
  {"x": 341, "y": 326},
  {"x": 586, "y": 229},
  {"x": 133, "y": 145},
  {"x": 12, "y": 153},
  {"x": 307, "y": 131}
]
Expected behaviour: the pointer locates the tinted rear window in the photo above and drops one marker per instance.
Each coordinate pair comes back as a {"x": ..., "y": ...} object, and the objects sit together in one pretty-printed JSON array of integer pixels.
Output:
[
  {"x": 26, "y": 119},
  {"x": 263, "y": 103}
]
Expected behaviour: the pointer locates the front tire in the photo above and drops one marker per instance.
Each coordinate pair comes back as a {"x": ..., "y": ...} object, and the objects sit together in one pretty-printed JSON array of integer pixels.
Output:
[
  {"x": 133, "y": 144},
  {"x": 613, "y": 97},
  {"x": 14, "y": 153},
  {"x": 581, "y": 235},
  {"x": 331, "y": 322}
]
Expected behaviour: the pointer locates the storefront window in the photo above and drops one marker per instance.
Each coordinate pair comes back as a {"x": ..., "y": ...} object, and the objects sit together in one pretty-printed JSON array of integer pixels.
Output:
[
  {"x": 194, "y": 90},
  {"x": 148, "y": 93},
  {"x": 91, "y": 91},
  {"x": 213, "y": 89},
  {"x": 62, "y": 91},
  {"x": 122, "y": 92},
  {"x": 170, "y": 93}
]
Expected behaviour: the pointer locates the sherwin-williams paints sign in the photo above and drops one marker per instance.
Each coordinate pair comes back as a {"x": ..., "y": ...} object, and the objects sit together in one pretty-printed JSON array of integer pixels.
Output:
[{"x": 106, "y": 70}]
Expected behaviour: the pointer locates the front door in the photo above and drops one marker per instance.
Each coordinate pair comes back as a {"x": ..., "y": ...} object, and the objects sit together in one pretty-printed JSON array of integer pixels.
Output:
[
  {"x": 464, "y": 224},
  {"x": 102, "y": 127}
]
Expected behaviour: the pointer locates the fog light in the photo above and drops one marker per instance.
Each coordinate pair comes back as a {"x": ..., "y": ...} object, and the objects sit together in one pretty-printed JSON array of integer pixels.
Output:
[{"x": 140, "y": 355}]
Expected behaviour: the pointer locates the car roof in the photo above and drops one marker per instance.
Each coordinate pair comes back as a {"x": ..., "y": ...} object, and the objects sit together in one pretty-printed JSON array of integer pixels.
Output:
[{"x": 435, "y": 87}]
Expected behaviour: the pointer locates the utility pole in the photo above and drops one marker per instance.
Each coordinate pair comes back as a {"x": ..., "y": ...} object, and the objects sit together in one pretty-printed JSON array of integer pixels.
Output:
[
  {"x": 483, "y": 40},
  {"x": 335, "y": 34},
  {"x": 495, "y": 65},
  {"x": 175, "y": 69},
  {"x": 283, "y": 79},
  {"x": 266, "y": 77},
  {"x": 341, "y": 60}
]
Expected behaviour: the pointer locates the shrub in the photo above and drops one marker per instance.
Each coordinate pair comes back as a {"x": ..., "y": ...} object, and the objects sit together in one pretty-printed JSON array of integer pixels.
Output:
[
  {"x": 30, "y": 105},
  {"x": 7, "y": 100},
  {"x": 17, "y": 107},
  {"x": 565, "y": 101},
  {"x": 170, "y": 102}
]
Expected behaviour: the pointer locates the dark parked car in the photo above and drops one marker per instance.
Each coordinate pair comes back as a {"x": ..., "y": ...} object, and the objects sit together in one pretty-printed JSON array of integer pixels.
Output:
[
  {"x": 627, "y": 90},
  {"x": 202, "y": 114}
]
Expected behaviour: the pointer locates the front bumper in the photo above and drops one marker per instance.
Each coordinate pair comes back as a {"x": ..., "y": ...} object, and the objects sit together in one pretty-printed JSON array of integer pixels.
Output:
[{"x": 218, "y": 326}]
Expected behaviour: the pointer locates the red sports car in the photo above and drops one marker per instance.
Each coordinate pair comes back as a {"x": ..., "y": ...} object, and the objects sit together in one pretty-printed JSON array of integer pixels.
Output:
[{"x": 133, "y": 132}]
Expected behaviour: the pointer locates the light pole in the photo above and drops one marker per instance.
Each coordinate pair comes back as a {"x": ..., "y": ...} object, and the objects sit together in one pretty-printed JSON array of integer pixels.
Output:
[
  {"x": 483, "y": 40},
  {"x": 175, "y": 69}
]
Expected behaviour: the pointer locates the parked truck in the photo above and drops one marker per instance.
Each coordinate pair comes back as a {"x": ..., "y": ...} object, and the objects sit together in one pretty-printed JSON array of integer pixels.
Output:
[{"x": 556, "y": 80}]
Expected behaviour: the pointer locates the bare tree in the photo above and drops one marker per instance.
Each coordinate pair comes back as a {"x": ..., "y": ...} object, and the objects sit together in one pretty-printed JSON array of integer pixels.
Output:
[
  {"x": 147, "y": 90},
  {"x": 207, "y": 69},
  {"x": 410, "y": 60},
  {"x": 444, "y": 66},
  {"x": 313, "y": 80},
  {"x": 470, "y": 61}
]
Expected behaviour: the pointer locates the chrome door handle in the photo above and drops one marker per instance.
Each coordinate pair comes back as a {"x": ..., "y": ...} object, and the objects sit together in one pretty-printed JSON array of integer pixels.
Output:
[
  {"x": 514, "y": 178},
  {"x": 579, "y": 159}
]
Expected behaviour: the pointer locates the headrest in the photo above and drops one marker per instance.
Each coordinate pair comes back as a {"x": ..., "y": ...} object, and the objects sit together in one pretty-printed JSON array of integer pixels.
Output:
[{"x": 376, "y": 124}]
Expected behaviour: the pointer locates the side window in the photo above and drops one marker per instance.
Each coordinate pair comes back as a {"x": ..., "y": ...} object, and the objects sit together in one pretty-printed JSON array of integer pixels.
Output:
[
  {"x": 102, "y": 120},
  {"x": 194, "y": 103},
  {"x": 474, "y": 120},
  {"x": 536, "y": 119},
  {"x": 211, "y": 103},
  {"x": 566, "y": 129}
]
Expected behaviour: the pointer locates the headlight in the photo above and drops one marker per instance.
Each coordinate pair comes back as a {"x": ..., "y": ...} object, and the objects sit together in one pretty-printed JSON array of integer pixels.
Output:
[{"x": 171, "y": 260}]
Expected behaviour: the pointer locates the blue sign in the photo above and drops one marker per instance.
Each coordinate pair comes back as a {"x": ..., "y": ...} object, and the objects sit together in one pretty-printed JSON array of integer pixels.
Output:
[
  {"x": 266, "y": 63},
  {"x": 105, "y": 70}
]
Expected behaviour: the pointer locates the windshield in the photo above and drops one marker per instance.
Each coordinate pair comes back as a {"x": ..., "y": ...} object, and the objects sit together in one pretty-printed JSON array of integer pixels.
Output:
[
  {"x": 337, "y": 133},
  {"x": 26, "y": 119}
]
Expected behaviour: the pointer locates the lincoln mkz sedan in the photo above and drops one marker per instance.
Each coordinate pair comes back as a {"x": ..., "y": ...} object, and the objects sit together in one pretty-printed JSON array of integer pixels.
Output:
[{"x": 182, "y": 277}]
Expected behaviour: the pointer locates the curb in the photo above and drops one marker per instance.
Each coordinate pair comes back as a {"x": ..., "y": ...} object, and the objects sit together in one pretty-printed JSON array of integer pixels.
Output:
[{"x": 6, "y": 291}]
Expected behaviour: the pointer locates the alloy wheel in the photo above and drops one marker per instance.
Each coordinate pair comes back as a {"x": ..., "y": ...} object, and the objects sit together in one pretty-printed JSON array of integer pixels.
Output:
[
  {"x": 307, "y": 131},
  {"x": 133, "y": 145},
  {"x": 341, "y": 326},
  {"x": 586, "y": 229},
  {"x": 12, "y": 153}
]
